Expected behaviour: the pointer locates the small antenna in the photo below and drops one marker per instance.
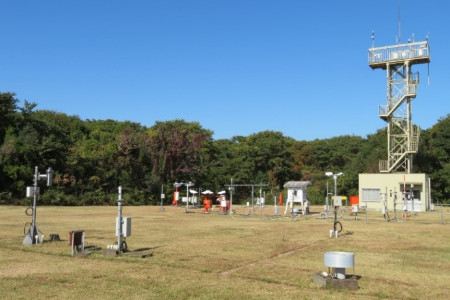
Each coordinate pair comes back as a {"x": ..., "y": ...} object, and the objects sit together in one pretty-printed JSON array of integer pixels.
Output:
[
  {"x": 373, "y": 39},
  {"x": 399, "y": 25},
  {"x": 428, "y": 75}
]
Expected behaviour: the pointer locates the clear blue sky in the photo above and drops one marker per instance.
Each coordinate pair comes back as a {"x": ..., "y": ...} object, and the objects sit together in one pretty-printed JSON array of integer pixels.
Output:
[{"x": 235, "y": 66}]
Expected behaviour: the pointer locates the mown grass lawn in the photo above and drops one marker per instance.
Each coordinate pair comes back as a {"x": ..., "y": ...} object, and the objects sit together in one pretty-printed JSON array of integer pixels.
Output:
[{"x": 213, "y": 256}]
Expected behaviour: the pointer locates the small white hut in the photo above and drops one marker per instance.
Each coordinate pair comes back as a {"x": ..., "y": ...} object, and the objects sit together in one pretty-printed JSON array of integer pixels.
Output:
[{"x": 297, "y": 193}]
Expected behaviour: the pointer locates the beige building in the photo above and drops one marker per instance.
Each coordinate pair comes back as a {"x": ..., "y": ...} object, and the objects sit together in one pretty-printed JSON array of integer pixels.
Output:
[{"x": 388, "y": 190}]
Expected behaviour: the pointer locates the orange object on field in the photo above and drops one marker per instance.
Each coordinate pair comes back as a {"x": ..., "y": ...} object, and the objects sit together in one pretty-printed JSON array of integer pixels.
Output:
[
  {"x": 207, "y": 204},
  {"x": 280, "y": 199},
  {"x": 175, "y": 198},
  {"x": 354, "y": 200}
]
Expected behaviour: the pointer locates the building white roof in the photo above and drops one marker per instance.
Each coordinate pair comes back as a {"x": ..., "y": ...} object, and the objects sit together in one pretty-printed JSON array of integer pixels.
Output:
[{"x": 297, "y": 184}]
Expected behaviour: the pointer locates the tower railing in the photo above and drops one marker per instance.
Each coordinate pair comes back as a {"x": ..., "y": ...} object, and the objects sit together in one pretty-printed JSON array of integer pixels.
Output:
[
  {"x": 414, "y": 144},
  {"x": 383, "y": 166},
  {"x": 419, "y": 52},
  {"x": 400, "y": 92}
]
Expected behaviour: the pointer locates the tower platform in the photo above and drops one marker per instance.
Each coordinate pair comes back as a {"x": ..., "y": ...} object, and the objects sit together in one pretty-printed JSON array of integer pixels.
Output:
[{"x": 415, "y": 53}]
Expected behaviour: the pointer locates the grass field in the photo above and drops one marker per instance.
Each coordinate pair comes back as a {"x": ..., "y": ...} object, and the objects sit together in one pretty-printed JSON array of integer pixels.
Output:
[{"x": 200, "y": 256}]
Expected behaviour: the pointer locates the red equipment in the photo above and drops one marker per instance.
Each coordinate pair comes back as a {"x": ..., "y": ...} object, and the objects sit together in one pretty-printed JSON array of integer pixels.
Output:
[{"x": 176, "y": 197}]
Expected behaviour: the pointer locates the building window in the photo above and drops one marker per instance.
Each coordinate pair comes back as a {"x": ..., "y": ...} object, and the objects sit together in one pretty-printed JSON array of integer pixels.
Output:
[{"x": 370, "y": 195}]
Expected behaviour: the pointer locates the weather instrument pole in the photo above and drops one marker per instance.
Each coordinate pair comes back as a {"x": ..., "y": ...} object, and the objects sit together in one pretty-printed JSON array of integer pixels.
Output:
[
  {"x": 119, "y": 220},
  {"x": 33, "y": 237},
  {"x": 162, "y": 198},
  {"x": 231, "y": 188},
  {"x": 188, "y": 184},
  {"x": 336, "y": 203}
]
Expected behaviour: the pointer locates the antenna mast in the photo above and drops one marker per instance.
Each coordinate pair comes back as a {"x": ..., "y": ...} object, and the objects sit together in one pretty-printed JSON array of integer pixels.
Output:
[{"x": 399, "y": 25}]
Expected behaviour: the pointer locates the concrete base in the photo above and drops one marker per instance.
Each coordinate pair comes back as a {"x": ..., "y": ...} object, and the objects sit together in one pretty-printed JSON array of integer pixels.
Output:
[
  {"x": 109, "y": 252},
  {"x": 349, "y": 283}
]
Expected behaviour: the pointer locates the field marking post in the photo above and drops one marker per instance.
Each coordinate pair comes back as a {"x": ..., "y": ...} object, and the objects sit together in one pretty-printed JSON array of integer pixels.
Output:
[
  {"x": 119, "y": 220},
  {"x": 365, "y": 220}
]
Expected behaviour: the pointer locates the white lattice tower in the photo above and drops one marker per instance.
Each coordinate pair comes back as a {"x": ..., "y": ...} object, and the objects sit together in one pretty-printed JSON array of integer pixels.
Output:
[{"x": 401, "y": 88}]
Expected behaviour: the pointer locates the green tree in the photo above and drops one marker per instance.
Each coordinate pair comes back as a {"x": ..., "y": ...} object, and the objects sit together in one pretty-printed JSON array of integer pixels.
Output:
[
  {"x": 273, "y": 162},
  {"x": 433, "y": 158},
  {"x": 8, "y": 109},
  {"x": 179, "y": 151}
]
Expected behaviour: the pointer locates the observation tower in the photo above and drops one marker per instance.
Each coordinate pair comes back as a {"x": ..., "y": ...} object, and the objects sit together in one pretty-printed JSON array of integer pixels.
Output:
[{"x": 401, "y": 88}]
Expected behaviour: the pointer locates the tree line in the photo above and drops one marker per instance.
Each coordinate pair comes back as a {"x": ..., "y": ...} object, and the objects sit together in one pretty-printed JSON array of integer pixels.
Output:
[{"x": 91, "y": 158}]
